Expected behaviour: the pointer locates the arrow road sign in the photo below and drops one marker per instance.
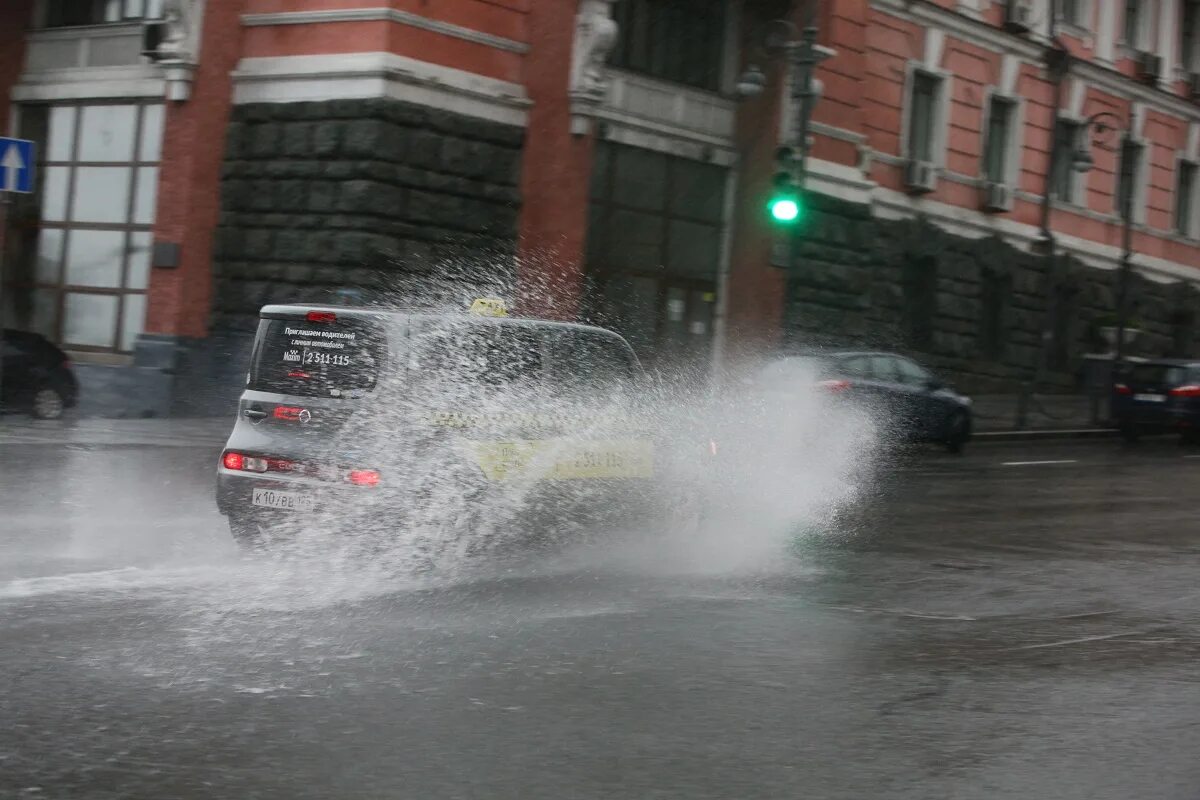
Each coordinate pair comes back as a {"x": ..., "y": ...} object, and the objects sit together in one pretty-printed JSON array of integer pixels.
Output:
[{"x": 16, "y": 165}]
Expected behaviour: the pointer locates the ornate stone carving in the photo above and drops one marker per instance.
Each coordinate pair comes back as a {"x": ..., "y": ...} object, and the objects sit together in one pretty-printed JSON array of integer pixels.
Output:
[
  {"x": 595, "y": 37},
  {"x": 178, "y": 47}
]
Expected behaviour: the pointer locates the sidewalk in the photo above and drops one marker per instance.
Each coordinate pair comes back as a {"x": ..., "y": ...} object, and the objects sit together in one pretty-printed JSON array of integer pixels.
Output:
[
  {"x": 997, "y": 414},
  {"x": 17, "y": 429}
]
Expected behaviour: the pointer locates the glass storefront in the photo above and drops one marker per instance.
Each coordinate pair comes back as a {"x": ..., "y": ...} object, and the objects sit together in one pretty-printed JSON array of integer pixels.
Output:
[{"x": 85, "y": 285}]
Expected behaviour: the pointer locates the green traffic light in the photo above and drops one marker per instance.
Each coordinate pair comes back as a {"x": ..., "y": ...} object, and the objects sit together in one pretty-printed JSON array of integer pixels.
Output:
[{"x": 785, "y": 209}]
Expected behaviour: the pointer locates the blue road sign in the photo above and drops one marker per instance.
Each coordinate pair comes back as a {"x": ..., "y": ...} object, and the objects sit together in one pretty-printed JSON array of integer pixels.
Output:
[{"x": 16, "y": 165}]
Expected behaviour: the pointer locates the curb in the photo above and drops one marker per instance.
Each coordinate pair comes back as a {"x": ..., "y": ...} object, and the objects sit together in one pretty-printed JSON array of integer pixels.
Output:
[{"x": 1044, "y": 435}]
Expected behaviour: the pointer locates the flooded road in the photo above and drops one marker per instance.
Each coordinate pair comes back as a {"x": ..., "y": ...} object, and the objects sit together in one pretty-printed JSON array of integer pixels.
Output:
[{"x": 1019, "y": 622}]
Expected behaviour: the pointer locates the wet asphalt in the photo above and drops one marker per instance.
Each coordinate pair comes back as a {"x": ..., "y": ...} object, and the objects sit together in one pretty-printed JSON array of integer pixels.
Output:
[{"x": 976, "y": 627}]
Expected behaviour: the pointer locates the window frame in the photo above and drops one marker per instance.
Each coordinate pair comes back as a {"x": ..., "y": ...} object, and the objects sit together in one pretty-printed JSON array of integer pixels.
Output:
[
  {"x": 1186, "y": 220},
  {"x": 1010, "y": 174},
  {"x": 1062, "y": 161},
  {"x": 939, "y": 113},
  {"x": 50, "y": 14},
  {"x": 68, "y": 226},
  {"x": 1189, "y": 43},
  {"x": 1138, "y": 179},
  {"x": 680, "y": 58},
  {"x": 1079, "y": 18}
]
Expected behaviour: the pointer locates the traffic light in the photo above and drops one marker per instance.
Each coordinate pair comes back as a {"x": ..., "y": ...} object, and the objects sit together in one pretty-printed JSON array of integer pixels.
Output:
[{"x": 786, "y": 204}]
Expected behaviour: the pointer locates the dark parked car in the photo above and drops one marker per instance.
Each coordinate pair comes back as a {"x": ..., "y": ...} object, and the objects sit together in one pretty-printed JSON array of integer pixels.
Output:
[
  {"x": 36, "y": 377},
  {"x": 1158, "y": 397},
  {"x": 915, "y": 405}
]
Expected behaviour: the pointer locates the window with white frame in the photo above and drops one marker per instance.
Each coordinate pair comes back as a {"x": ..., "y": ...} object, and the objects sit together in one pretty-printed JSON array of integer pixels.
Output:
[
  {"x": 1129, "y": 175},
  {"x": 98, "y": 171},
  {"x": 64, "y": 13},
  {"x": 1185, "y": 199},
  {"x": 997, "y": 148},
  {"x": 1134, "y": 22},
  {"x": 1068, "y": 138},
  {"x": 924, "y": 109},
  {"x": 1072, "y": 12},
  {"x": 1189, "y": 50}
]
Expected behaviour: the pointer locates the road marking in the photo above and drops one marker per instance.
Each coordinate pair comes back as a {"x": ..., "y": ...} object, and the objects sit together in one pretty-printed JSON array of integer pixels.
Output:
[
  {"x": 1192, "y": 455},
  {"x": 1032, "y": 463}
]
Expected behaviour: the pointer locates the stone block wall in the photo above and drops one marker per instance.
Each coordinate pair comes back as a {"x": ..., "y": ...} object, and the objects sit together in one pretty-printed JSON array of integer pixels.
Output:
[
  {"x": 909, "y": 286},
  {"x": 368, "y": 194}
]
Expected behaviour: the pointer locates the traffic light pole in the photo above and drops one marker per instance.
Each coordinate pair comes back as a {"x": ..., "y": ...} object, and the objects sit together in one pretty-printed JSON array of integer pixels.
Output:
[{"x": 804, "y": 57}]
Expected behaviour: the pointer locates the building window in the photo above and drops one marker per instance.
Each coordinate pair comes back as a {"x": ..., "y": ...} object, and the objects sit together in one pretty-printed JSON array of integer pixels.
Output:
[
  {"x": 1072, "y": 12},
  {"x": 999, "y": 138},
  {"x": 1189, "y": 51},
  {"x": 1183, "y": 333},
  {"x": 99, "y": 178},
  {"x": 1065, "y": 302},
  {"x": 1068, "y": 134},
  {"x": 1133, "y": 23},
  {"x": 923, "y": 106},
  {"x": 1128, "y": 175},
  {"x": 1185, "y": 199},
  {"x": 64, "y": 13},
  {"x": 677, "y": 40}
]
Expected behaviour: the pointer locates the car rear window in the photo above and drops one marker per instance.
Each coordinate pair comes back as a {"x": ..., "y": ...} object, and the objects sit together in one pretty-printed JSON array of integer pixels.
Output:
[
  {"x": 788, "y": 370},
  {"x": 474, "y": 355},
  {"x": 584, "y": 362},
  {"x": 318, "y": 359},
  {"x": 1157, "y": 375}
]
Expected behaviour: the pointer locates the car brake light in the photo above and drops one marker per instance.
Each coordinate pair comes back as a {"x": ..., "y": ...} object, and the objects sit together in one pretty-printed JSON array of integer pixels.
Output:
[
  {"x": 834, "y": 386},
  {"x": 233, "y": 460},
  {"x": 289, "y": 413},
  {"x": 1122, "y": 389},
  {"x": 363, "y": 477},
  {"x": 1191, "y": 390},
  {"x": 321, "y": 316}
]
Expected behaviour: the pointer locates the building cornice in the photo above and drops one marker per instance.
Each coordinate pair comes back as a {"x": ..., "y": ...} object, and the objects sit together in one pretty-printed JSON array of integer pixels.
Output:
[{"x": 385, "y": 14}]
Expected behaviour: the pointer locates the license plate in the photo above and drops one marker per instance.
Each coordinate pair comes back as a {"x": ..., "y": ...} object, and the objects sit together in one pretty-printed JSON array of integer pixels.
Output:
[
  {"x": 283, "y": 501},
  {"x": 552, "y": 459},
  {"x": 1151, "y": 398}
]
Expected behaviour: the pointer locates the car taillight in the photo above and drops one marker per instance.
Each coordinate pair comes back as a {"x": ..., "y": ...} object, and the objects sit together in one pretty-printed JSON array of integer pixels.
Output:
[
  {"x": 1191, "y": 390},
  {"x": 321, "y": 316},
  {"x": 1121, "y": 388},
  {"x": 288, "y": 413},
  {"x": 233, "y": 460},
  {"x": 834, "y": 386},
  {"x": 363, "y": 477}
]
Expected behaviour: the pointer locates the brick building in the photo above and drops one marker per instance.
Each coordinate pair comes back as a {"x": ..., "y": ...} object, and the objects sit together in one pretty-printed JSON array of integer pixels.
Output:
[{"x": 589, "y": 158}]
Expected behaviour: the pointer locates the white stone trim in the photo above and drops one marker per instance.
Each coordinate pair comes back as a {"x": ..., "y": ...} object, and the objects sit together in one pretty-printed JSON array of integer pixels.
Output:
[
  {"x": 1106, "y": 32},
  {"x": 839, "y": 180},
  {"x": 1169, "y": 20},
  {"x": 636, "y": 132},
  {"x": 1010, "y": 74},
  {"x": 1193, "y": 141},
  {"x": 384, "y": 14},
  {"x": 291, "y": 79},
  {"x": 935, "y": 44},
  {"x": 996, "y": 40},
  {"x": 668, "y": 109},
  {"x": 1077, "y": 95},
  {"x": 941, "y": 110},
  {"x": 834, "y": 132},
  {"x": 48, "y": 86}
]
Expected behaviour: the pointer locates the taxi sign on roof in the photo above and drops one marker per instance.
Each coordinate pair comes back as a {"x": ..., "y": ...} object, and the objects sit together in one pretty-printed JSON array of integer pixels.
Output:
[{"x": 489, "y": 307}]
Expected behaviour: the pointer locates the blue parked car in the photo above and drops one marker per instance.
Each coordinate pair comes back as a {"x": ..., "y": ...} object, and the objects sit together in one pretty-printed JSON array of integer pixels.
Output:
[{"x": 1161, "y": 396}]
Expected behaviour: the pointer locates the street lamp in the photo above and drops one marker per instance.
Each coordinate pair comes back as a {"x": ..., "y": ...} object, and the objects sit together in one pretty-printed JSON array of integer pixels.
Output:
[{"x": 1102, "y": 125}]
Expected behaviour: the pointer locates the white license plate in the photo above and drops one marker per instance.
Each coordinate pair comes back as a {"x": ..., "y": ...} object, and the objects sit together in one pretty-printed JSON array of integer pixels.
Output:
[
  {"x": 1151, "y": 398},
  {"x": 284, "y": 501}
]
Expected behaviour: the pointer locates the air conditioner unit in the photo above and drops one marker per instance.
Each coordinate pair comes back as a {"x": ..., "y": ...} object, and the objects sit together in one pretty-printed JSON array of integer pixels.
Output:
[
  {"x": 1019, "y": 16},
  {"x": 997, "y": 197},
  {"x": 920, "y": 177},
  {"x": 1149, "y": 66}
]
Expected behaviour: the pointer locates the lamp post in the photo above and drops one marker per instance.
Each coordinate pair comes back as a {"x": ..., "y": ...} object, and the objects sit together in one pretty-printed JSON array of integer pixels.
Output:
[{"x": 1100, "y": 126}]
